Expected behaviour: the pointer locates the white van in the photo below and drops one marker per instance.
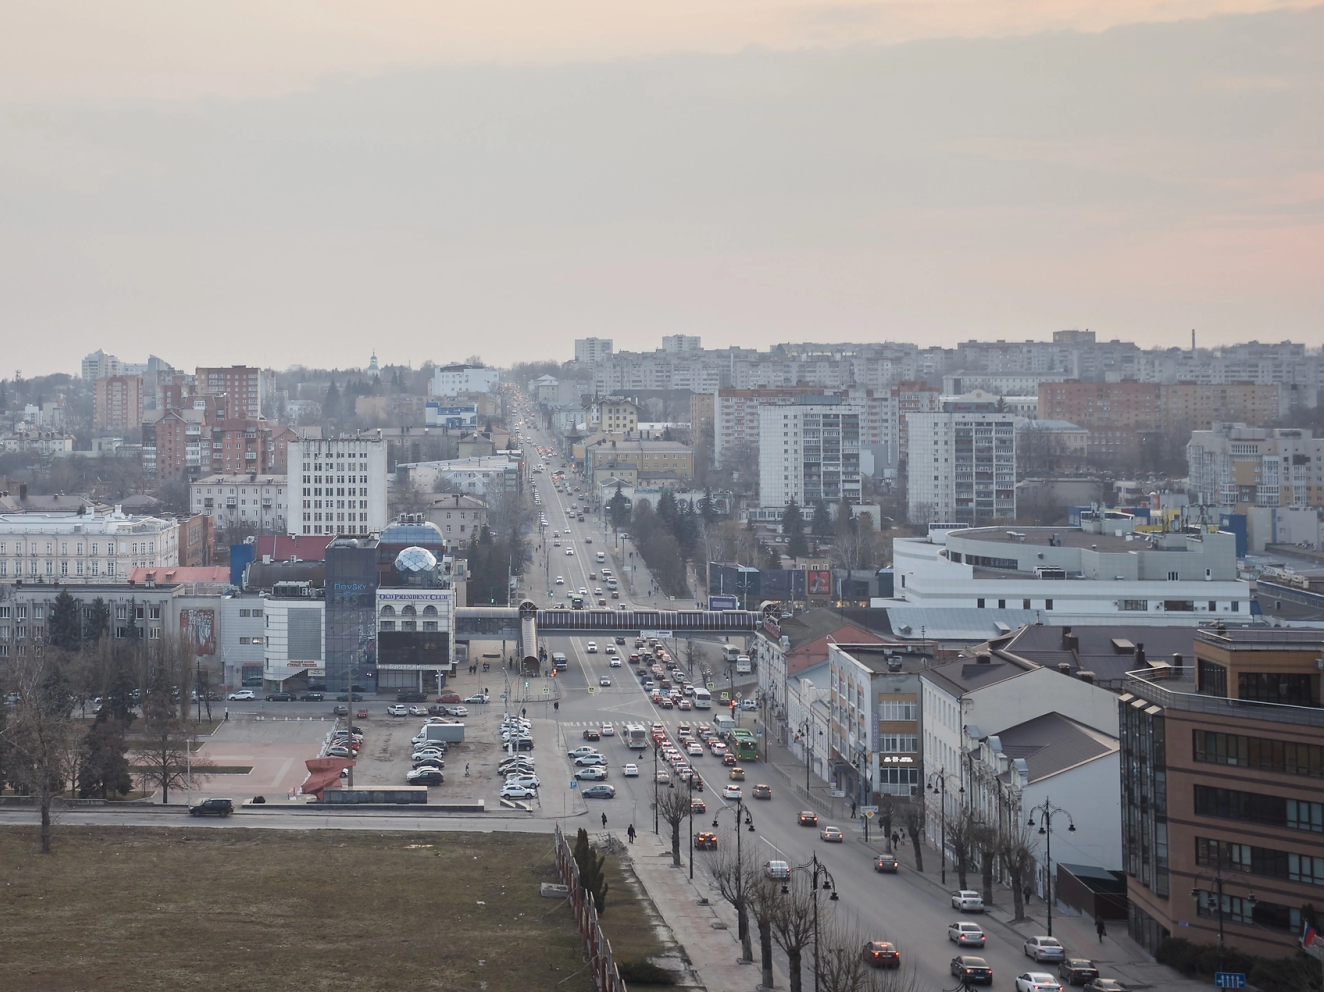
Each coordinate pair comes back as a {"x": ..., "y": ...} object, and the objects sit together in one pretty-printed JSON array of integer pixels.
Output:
[{"x": 602, "y": 556}]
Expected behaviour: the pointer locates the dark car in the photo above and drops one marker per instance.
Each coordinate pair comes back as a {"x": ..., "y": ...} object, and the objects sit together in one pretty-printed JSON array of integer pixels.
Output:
[
  {"x": 885, "y": 863},
  {"x": 592, "y": 735},
  {"x": 972, "y": 970},
  {"x": 212, "y": 807},
  {"x": 620, "y": 640},
  {"x": 882, "y": 954},
  {"x": 1106, "y": 985},
  {"x": 411, "y": 697},
  {"x": 1077, "y": 971},
  {"x": 344, "y": 697},
  {"x": 280, "y": 697},
  {"x": 340, "y": 710},
  {"x": 311, "y": 697}
]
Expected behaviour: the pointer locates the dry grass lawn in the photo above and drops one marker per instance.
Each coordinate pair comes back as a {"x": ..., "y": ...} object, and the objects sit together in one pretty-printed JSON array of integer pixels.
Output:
[{"x": 199, "y": 908}]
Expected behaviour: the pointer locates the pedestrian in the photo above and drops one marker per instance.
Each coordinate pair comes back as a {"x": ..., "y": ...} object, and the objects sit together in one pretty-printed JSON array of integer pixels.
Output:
[
  {"x": 1099, "y": 929},
  {"x": 466, "y": 769},
  {"x": 523, "y": 713},
  {"x": 604, "y": 821},
  {"x": 896, "y": 839},
  {"x": 556, "y": 705},
  {"x": 227, "y": 713},
  {"x": 1027, "y": 892},
  {"x": 629, "y": 832},
  {"x": 852, "y": 809}
]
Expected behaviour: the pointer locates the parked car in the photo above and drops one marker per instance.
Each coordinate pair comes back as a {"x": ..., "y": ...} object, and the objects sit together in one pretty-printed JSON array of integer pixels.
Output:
[
  {"x": 515, "y": 791},
  {"x": 242, "y": 694},
  {"x": 340, "y": 710},
  {"x": 457, "y": 711},
  {"x": 412, "y": 696},
  {"x": 449, "y": 697},
  {"x": 972, "y": 970},
  {"x": 425, "y": 776},
  {"x": 396, "y": 709},
  {"x": 311, "y": 697},
  {"x": 1044, "y": 949},
  {"x": 212, "y": 807},
  {"x": 968, "y": 900},
  {"x": 477, "y": 697},
  {"x": 526, "y": 780},
  {"x": 594, "y": 773},
  {"x": 280, "y": 697}
]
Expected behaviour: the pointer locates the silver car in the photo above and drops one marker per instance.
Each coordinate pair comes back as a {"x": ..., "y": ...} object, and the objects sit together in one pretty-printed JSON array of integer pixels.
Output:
[
  {"x": 966, "y": 934},
  {"x": 1045, "y": 949}
]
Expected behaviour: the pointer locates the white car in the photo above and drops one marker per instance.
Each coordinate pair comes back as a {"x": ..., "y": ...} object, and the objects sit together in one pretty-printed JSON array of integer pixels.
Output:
[
  {"x": 560, "y": 580},
  {"x": 1037, "y": 981},
  {"x": 594, "y": 774},
  {"x": 615, "y": 662},
  {"x": 579, "y": 752},
  {"x": 968, "y": 900},
  {"x": 527, "y": 781},
  {"x": 1044, "y": 949},
  {"x": 242, "y": 694},
  {"x": 516, "y": 791},
  {"x": 608, "y": 730},
  {"x": 397, "y": 710},
  {"x": 591, "y": 647},
  {"x": 457, "y": 710},
  {"x": 694, "y": 747},
  {"x": 590, "y": 759},
  {"x": 630, "y": 771},
  {"x": 570, "y": 551},
  {"x": 966, "y": 934},
  {"x": 732, "y": 792},
  {"x": 477, "y": 697}
]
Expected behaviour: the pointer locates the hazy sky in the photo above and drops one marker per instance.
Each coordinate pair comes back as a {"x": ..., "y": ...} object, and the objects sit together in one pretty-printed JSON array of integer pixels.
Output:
[{"x": 307, "y": 182}]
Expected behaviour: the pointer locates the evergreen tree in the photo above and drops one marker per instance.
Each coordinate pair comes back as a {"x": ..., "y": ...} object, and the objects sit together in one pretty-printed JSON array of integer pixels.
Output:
[
  {"x": 65, "y": 625},
  {"x": 104, "y": 768},
  {"x": 331, "y": 402},
  {"x": 57, "y": 697},
  {"x": 667, "y": 512},
  {"x": 772, "y": 559},
  {"x": 793, "y": 526},
  {"x": 822, "y": 523},
  {"x": 591, "y": 876},
  {"x": 618, "y": 508},
  {"x": 118, "y": 700},
  {"x": 706, "y": 509}
]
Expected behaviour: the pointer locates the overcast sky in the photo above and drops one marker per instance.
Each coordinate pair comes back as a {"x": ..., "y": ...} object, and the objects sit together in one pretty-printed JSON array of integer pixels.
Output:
[{"x": 314, "y": 182}]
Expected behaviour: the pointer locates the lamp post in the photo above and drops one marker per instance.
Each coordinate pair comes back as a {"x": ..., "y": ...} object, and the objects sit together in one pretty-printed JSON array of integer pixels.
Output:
[
  {"x": 656, "y": 748},
  {"x": 1202, "y": 899},
  {"x": 940, "y": 789},
  {"x": 864, "y": 769},
  {"x": 1046, "y": 811},
  {"x": 814, "y": 869},
  {"x": 741, "y": 815},
  {"x": 806, "y": 735}
]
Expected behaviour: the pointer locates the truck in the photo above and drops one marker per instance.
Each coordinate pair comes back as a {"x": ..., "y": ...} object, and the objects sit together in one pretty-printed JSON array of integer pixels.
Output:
[{"x": 450, "y": 733}]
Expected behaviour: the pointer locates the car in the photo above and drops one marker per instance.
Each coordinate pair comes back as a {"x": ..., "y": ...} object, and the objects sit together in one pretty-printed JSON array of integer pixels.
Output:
[
  {"x": 458, "y": 711},
  {"x": 695, "y": 748},
  {"x": 449, "y": 697},
  {"x": 339, "y": 751},
  {"x": 601, "y": 791},
  {"x": 705, "y": 840},
  {"x": 881, "y": 954},
  {"x": 396, "y": 709},
  {"x": 513, "y": 790},
  {"x": 966, "y": 934},
  {"x": 585, "y": 760},
  {"x": 212, "y": 807},
  {"x": 524, "y": 779},
  {"x": 242, "y": 694},
  {"x": 592, "y": 734},
  {"x": 762, "y": 791},
  {"x": 435, "y": 762},
  {"x": 1077, "y": 971},
  {"x": 777, "y": 869},
  {"x": 425, "y": 776},
  {"x": 424, "y": 753},
  {"x": 807, "y": 818},
  {"x": 411, "y": 696},
  {"x": 736, "y": 774},
  {"x": 594, "y": 773},
  {"x": 340, "y": 711},
  {"x": 729, "y": 759},
  {"x": 621, "y": 606},
  {"x": 582, "y": 750},
  {"x": 749, "y": 704},
  {"x": 698, "y": 806},
  {"x": 344, "y": 698},
  {"x": 570, "y": 551},
  {"x": 615, "y": 662},
  {"x": 971, "y": 970},
  {"x": 832, "y": 835},
  {"x": 361, "y": 713},
  {"x": 886, "y": 863},
  {"x": 515, "y": 770},
  {"x": 619, "y": 638},
  {"x": 1106, "y": 985},
  {"x": 604, "y": 681},
  {"x": 560, "y": 580},
  {"x": 311, "y": 697},
  {"x": 522, "y": 744},
  {"x": 418, "y": 711},
  {"x": 478, "y": 698},
  {"x": 664, "y": 777},
  {"x": 1037, "y": 981},
  {"x": 1044, "y": 949},
  {"x": 280, "y": 697},
  {"x": 591, "y": 647},
  {"x": 733, "y": 792},
  {"x": 630, "y": 771},
  {"x": 968, "y": 900}
]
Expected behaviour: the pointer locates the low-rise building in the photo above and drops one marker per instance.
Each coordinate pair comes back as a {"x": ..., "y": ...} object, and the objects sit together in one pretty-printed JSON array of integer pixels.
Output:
[
  {"x": 83, "y": 548},
  {"x": 458, "y": 516}
]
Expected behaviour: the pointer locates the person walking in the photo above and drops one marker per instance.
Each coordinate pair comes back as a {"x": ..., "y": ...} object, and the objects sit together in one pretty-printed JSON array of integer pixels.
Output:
[
  {"x": 852, "y": 809},
  {"x": 1027, "y": 892},
  {"x": 1099, "y": 929},
  {"x": 630, "y": 833},
  {"x": 604, "y": 821}
]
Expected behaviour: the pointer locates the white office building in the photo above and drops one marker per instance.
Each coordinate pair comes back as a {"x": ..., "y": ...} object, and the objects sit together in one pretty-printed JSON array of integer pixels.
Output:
[
  {"x": 74, "y": 548},
  {"x": 295, "y": 631},
  {"x": 337, "y": 486},
  {"x": 247, "y": 503},
  {"x": 962, "y": 465},
  {"x": 589, "y": 351},
  {"x": 453, "y": 380},
  {"x": 809, "y": 452}
]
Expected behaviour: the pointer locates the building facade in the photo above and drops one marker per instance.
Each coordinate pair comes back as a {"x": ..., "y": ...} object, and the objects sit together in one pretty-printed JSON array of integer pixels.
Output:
[
  {"x": 247, "y": 504},
  {"x": 118, "y": 404},
  {"x": 241, "y": 387},
  {"x": 962, "y": 465},
  {"x": 88, "y": 548},
  {"x": 590, "y": 351},
  {"x": 1234, "y": 465},
  {"x": 337, "y": 486},
  {"x": 809, "y": 452},
  {"x": 456, "y": 380}
]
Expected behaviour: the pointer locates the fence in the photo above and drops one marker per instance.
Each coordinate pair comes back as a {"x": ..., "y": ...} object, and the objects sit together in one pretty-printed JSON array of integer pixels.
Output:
[{"x": 603, "y": 964}]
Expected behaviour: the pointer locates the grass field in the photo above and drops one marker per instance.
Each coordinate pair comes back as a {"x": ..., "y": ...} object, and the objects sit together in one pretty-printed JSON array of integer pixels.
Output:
[{"x": 199, "y": 908}]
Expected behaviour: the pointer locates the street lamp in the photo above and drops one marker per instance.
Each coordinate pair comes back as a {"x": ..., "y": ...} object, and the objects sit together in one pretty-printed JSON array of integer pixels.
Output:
[
  {"x": 864, "y": 770},
  {"x": 741, "y": 816},
  {"x": 1202, "y": 899},
  {"x": 940, "y": 789},
  {"x": 1046, "y": 813},
  {"x": 656, "y": 748},
  {"x": 806, "y": 734},
  {"x": 814, "y": 869}
]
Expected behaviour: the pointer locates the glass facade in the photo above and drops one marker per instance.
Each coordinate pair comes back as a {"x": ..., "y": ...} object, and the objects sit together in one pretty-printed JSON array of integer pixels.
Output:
[
  {"x": 1144, "y": 795},
  {"x": 351, "y": 606}
]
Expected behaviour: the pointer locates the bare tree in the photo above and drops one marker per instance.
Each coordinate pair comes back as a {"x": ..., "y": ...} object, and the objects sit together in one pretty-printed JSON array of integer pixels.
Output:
[
  {"x": 843, "y": 966},
  {"x": 733, "y": 883},
  {"x": 960, "y": 829},
  {"x": 793, "y": 925},
  {"x": 886, "y": 816},
  {"x": 1016, "y": 850},
  {"x": 985, "y": 840},
  {"x": 913, "y": 818},
  {"x": 764, "y": 898},
  {"x": 673, "y": 806},
  {"x": 43, "y": 741},
  {"x": 165, "y": 751}
]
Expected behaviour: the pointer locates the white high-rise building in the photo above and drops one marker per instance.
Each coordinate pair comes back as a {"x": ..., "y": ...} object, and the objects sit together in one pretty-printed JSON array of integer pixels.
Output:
[
  {"x": 337, "y": 486},
  {"x": 962, "y": 465},
  {"x": 588, "y": 351},
  {"x": 809, "y": 452},
  {"x": 674, "y": 343}
]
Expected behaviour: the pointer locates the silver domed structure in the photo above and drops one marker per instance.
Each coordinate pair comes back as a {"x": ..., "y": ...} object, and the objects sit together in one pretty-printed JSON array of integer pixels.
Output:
[{"x": 415, "y": 561}]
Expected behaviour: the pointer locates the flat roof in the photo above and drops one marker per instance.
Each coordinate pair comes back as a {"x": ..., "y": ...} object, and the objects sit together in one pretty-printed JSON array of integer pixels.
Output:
[{"x": 1066, "y": 537}]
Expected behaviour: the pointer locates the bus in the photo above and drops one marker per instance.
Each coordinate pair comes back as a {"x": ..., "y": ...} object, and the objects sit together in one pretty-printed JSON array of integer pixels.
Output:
[
  {"x": 743, "y": 743},
  {"x": 730, "y": 652},
  {"x": 576, "y": 602},
  {"x": 743, "y": 665},
  {"x": 703, "y": 699},
  {"x": 635, "y": 736}
]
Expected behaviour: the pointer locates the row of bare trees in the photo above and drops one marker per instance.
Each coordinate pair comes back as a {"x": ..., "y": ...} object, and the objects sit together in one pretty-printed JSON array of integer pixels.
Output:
[{"x": 51, "y": 751}]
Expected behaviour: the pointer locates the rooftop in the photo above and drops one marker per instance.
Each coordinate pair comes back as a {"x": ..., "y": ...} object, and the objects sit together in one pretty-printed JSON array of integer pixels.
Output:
[
  {"x": 1065, "y": 537},
  {"x": 1053, "y": 743}
]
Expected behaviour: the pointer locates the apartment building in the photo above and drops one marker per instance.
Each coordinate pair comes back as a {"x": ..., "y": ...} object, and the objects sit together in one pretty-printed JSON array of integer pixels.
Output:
[
  {"x": 911, "y": 397},
  {"x": 590, "y": 351},
  {"x": 242, "y": 504},
  {"x": 634, "y": 459},
  {"x": 1223, "y": 791},
  {"x": 675, "y": 343},
  {"x": 455, "y": 380},
  {"x": 703, "y": 408},
  {"x": 118, "y": 404},
  {"x": 79, "y": 548},
  {"x": 874, "y": 733},
  {"x": 241, "y": 387},
  {"x": 458, "y": 516},
  {"x": 1188, "y": 406},
  {"x": 736, "y": 415},
  {"x": 962, "y": 464},
  {"x": 614, "y": 414},
  {"x": 337, "y": 486},
  {"x": 809, "y": 452},
  {"x": 1235, "y": 465}
]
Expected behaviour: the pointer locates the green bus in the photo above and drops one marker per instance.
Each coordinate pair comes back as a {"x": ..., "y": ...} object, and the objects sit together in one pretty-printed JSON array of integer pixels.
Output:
[{"x": 743, "y": 743}]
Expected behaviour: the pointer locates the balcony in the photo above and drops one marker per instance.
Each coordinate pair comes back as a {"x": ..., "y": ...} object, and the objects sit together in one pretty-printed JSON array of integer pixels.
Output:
[{"x": 1180, "y": 694}]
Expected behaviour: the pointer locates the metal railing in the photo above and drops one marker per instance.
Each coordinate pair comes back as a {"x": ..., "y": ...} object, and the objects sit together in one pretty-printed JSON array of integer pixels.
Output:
[
  {"x": 1218, "y": 706},
  {"x": 601, "y": 961}
]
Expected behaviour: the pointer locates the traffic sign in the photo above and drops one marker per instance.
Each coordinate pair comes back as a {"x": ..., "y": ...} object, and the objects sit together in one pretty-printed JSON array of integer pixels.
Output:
[
  {"x": 868, "y": 813},
  {"x": 526, "y": 683},
  {"x": 592, "y": 689},
  {"x": 868, "y": 810},
  {"x": 574, "y": 783},
  {"x": 1229, "y": 980},
  {"x": 546, "y": 690},
  {"x": 739, "y": 696},
  {"x": 710, "y": 686}
]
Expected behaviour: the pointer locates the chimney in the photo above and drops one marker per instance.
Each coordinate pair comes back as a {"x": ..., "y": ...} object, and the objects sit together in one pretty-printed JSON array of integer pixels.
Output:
[
  {"x": 1066, "y": 638},
  {"x": 1064, "y": 667},
  {"x": 1072, "y": 642},
  {"x": 983, "y": 659},
  {"x": 22, "y": 491},
  {"x": 1140, "y": 655},
  {"x": 1176, "y": 665},
  {"x": 1085, "y": 676}
]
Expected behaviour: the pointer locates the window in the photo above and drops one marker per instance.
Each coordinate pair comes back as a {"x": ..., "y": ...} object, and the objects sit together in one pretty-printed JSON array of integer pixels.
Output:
[
  {"x": 893, "y": 710},
  {"x": 1258, "y": 753},
  {"x": 898, "y": 744},
  {"x": 387, "y": 625}
]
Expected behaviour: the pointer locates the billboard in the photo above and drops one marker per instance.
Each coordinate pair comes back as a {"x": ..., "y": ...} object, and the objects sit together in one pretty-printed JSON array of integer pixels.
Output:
[
  {"x": 723, "y": 603},
  {"x": 819, "y": 582},
  {"x": 425, "y": 649},
  {"x": 198, "y": 628}
]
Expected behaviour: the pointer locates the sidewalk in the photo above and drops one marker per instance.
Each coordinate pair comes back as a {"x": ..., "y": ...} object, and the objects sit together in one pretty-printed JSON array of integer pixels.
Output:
[{"x": 707, "y": 933}]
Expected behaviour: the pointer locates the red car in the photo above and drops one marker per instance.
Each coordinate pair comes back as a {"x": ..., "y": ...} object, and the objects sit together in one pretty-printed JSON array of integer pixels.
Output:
[{"x": 449, "y": 697}]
